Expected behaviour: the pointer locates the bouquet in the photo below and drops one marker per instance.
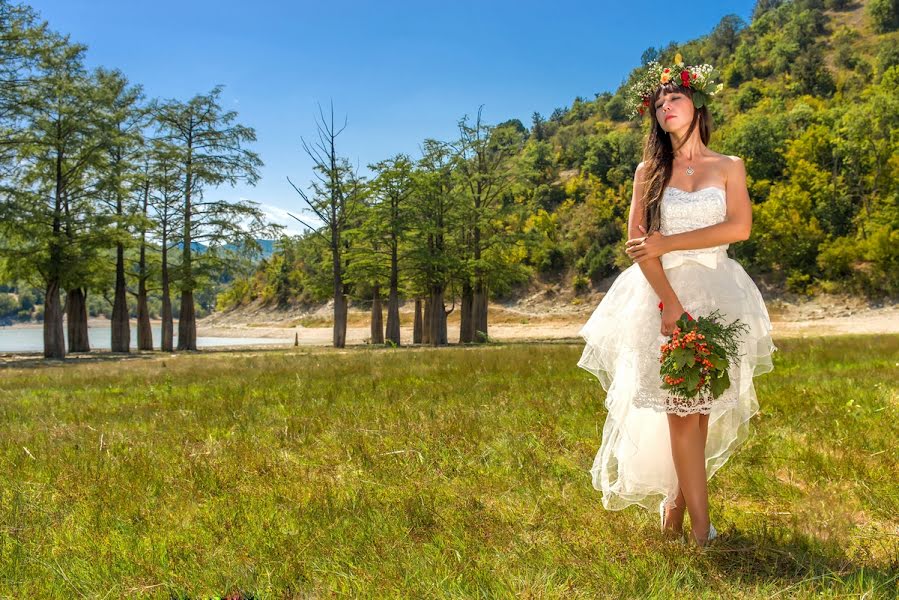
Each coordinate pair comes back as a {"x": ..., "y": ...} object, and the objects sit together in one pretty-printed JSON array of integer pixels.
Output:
[{"x": 697, "y": 355}]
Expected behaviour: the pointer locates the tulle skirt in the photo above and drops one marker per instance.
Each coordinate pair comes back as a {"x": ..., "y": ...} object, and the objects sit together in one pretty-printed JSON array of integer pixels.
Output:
[{"x": 623, "y": 339}]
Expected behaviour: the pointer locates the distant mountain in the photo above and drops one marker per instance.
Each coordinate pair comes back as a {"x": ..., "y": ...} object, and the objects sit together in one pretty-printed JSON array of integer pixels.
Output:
[{"x": 268, "y": 247}]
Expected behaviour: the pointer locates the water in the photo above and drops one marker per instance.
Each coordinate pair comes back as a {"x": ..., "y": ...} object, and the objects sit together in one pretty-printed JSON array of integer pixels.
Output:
[{"x": 31, "y": 339}]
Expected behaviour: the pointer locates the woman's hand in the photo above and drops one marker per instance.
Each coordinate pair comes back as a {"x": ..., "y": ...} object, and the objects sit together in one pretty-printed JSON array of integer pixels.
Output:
[
  {"x": 671, "y": 312},
  {"x": 646, "y": 247}
]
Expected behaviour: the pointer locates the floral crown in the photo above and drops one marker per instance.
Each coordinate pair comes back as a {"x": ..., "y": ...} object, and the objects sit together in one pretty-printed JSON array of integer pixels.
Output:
[{"x": 700, "y": 78}]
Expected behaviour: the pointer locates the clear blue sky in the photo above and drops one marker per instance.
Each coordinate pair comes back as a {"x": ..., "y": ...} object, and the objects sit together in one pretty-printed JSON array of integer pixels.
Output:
[{"x": 399, "y": 72}]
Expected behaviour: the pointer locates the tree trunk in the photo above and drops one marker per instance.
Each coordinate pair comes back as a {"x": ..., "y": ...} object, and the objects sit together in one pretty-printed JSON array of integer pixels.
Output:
[
  {"x": 76, "y": 320},
  {"x": 466, "y": 326},
  {"x": 393, "y": 302},
  {"x": 340, "y": 315},
  {"x": 426, "y": 323},
  {"x": 144, "y": 331},
  {"x": 121, "y": 324},
  {"x": 417, "y": 323},
  {"x": 187, "y": 322},
  {"x": 479, "y": 311},
  {"x": 377, "y": 317},
  {"x": 54, "y": 338},
  {"x": 393, "y": 317},
  {"x": 168, "y": 329},
  {"x": 437, "y": 317}
]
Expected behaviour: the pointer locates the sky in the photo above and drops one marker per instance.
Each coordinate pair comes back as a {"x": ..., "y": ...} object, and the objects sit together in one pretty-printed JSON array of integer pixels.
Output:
[{"x": 396, "y": 72}]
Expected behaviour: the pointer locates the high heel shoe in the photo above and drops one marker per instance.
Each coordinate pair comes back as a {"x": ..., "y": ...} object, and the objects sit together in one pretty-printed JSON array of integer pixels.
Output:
[{"x": 662, "y": 515}]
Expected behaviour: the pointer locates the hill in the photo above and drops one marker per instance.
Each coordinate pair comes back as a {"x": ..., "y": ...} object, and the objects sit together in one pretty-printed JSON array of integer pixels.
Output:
[{"x": 809, "y": 103}]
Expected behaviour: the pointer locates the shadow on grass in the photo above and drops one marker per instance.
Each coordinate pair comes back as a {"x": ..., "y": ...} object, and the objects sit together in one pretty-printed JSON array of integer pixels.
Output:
[
  {"x": 36, "y": 360},
  {"x": 783, "y": 556}
]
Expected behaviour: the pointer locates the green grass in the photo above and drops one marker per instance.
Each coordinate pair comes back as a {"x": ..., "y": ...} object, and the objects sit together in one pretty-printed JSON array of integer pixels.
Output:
[{"x": 452, "y": 472}]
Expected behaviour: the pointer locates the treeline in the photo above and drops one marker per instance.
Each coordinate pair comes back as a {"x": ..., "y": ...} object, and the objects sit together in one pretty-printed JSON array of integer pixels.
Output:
[
  {"x": 809, "y": 103},
  {"x": 446, "y": 228},
  {"x": 102, "y": 189}
]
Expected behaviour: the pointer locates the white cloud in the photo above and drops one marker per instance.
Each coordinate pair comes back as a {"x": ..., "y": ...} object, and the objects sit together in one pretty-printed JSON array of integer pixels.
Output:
[{"x": 276, "y": 214}]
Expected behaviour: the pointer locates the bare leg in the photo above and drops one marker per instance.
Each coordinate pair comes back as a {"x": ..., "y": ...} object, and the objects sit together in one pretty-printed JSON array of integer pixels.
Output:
[
  {"x": 688, "y": 452},
  {"x": 674, "y": 517}
]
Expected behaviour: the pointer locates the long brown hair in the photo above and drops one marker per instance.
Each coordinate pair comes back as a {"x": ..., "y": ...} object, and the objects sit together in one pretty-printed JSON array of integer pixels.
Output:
[{"x": 658, "y": 153}]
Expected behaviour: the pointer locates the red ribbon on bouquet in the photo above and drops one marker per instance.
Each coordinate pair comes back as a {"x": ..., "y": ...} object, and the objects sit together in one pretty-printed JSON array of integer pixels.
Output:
[{"x": 689, "y": 316}]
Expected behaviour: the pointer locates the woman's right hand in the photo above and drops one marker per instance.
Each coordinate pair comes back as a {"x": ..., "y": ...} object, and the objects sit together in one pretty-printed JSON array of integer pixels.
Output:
[{"x": 671, "y": 312}]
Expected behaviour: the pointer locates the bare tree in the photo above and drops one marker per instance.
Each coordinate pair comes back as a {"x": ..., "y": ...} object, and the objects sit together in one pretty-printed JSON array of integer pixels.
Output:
[{"x": 335, "y": 195}]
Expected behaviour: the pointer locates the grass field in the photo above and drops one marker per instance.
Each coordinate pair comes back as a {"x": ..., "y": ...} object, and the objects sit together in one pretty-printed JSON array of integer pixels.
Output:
[{"x": 423, "y": 473}]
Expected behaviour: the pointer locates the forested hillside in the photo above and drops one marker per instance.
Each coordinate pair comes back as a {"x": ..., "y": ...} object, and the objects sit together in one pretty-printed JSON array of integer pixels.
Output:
[
  {"x": 102, "y": 207},
  {"x": 809, "y": 102}
]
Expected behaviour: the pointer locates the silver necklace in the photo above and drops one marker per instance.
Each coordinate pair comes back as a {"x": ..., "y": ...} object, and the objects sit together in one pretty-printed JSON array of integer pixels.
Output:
[{"x": 690, "y": 170}]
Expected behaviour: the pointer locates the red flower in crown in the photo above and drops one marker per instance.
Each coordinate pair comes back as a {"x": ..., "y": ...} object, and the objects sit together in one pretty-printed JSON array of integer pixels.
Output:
[{"x": 685, "y": 78}]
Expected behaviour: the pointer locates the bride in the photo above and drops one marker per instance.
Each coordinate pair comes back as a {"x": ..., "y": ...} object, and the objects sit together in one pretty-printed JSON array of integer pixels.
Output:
[{"x": 689, "y": 203}]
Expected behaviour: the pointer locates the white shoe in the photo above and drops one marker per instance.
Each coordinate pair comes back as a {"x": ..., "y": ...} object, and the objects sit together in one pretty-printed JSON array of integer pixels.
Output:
[
  {"x": 712, "y": 535},
  {"x": 662, "y": 515}
]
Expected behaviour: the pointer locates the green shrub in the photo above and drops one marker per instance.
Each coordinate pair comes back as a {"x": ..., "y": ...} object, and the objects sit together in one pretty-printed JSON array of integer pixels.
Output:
[
  {"x": 9, "y": 305},
  {"x": 884, "y": 15},
  {"x": 581, "y": 284}
]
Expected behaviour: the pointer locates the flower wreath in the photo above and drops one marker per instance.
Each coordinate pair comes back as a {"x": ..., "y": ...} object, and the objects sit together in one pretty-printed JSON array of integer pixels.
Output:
[{"x": 698, "y": 77}]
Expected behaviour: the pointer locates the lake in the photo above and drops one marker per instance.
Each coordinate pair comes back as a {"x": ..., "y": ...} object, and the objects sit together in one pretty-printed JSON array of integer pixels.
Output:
[{"x": 31, "y": 339}]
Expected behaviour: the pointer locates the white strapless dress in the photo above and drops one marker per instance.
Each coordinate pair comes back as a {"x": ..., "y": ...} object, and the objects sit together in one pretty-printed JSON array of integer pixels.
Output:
[{"x": 623, "y": 339}]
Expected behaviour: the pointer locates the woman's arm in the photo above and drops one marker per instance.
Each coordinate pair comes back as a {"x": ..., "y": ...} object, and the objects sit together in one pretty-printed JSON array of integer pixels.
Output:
[
  {"x": 736, "y": 226},
  {"x": 652, "y": 268}
]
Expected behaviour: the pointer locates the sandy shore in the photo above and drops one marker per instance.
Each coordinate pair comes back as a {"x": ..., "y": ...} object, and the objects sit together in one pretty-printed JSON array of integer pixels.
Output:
[
  {"x": 865, "y": 321},
  {"x": 811, "y": 319}
]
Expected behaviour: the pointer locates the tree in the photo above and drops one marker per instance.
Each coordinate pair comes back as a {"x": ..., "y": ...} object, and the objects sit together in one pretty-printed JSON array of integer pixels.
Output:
[
  {"x": 435, "y": 213},
  {"x": 649, "y": 55},
  {"x": 23, "y": 41},
  {"x": 211, "y": 152},
  {"x": 51, "y": 211},
  {"x": 391, "y": 190},
  {"x": 335, "y": 196},
  {"x": 144, "y": 330},
  {"x": 884, "y": 15},
  {"x": 164, "y": 186},
  {"x": 123, "y": 121},
  {"x": 483, "y": 168},
  {"x": 723, "y": 40}
]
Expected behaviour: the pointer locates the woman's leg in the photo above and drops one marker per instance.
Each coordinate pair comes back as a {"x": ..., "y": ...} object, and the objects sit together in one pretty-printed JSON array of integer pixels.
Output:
[
  {"x": 674, "y": 518},
  {"x": 688, "y": 452}
]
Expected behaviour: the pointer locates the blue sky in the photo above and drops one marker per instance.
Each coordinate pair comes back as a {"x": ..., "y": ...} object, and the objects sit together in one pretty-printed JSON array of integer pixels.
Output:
[{"x": 399, "y": 72}]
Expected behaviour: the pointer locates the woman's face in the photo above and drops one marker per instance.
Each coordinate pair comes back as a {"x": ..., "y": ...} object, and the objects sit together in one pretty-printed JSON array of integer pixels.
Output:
[{"x": 674, "y": 110}]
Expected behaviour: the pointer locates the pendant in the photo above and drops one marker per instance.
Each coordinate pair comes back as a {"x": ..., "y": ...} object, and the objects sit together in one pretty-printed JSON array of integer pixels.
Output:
[{"x": 689, "y": 170}]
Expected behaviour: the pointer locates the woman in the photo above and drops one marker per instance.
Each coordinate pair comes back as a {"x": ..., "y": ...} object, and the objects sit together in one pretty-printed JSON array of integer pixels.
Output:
[{"x": 689, "y": 203}]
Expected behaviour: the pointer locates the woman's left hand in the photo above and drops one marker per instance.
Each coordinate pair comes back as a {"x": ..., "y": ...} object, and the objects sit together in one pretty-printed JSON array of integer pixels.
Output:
[{"x": 646, "y": 247}]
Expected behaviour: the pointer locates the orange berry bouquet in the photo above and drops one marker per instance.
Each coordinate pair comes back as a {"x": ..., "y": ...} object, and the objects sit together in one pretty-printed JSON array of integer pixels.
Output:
[{"x": 697, "y": 355}]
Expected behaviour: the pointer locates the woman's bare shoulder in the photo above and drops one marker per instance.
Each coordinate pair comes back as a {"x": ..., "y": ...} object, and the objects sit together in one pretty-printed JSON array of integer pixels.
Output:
[{"x": 734, "y": 168}]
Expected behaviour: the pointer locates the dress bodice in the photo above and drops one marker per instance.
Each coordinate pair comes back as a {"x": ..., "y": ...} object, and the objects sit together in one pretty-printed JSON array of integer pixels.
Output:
[{"x": 685, "y": 211}]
